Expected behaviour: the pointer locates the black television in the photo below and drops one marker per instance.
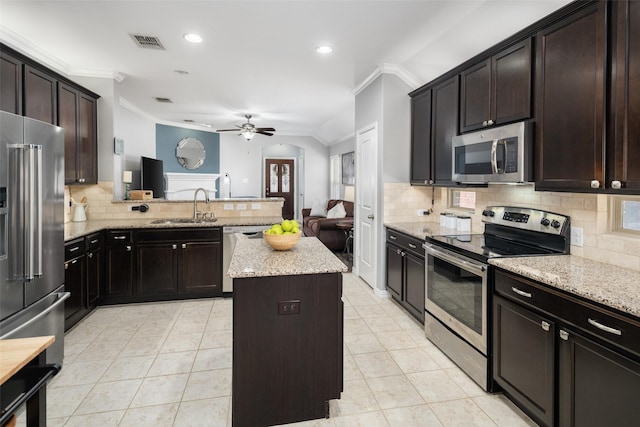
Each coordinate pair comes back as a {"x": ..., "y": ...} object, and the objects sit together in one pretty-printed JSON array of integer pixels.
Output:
[{"x": 152, "y": 176}]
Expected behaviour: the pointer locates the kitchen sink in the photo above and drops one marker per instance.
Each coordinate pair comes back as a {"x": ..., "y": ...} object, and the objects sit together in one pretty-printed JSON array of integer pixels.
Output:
[{"x": 169, "y": 221}]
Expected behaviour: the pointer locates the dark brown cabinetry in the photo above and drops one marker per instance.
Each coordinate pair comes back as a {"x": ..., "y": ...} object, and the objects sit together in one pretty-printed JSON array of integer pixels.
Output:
[
  {"x": 421, "y": 138},
  {"x": 570, "y": 102},
  {"x": 287, "y": 348},
  {"x": 74, "y": 282},
  {"x": 10, "y": 83},
  {"x": 623, "y": 155},
  {"x": 40, "y": 90},
  {"x": 563, "y": 360},
  {"x": 119, "y": 263},
  {"x": 405, "y": 272},
  {"x": 497, "y": 90},
  {"x": 77, "y": 115},
  {"x": 95, "y": 269}
]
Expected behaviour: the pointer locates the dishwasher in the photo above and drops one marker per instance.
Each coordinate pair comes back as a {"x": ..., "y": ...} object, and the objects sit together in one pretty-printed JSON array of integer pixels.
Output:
[{"x": 230, "y": 236}]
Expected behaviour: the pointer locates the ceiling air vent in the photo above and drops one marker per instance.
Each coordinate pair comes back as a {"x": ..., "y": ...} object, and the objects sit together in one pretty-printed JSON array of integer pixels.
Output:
[
  {"x": 165, "y": 100},
  {"x": 147, "y": 42},
  {"x": 189, "y": 121}
]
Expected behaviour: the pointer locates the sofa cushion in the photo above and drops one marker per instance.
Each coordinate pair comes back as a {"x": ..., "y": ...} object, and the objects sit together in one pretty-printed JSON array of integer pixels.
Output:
[
  {"x": 337, "y": 211},
  {"x": 319, "y": 209}
]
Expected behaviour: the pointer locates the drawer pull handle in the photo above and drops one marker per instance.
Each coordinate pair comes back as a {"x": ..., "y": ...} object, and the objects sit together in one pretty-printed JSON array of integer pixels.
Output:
[
  {"x": 74, "y": 249},
  {"x": 119, "y": 237},
  {"x": 604, "y": 328},
  {"x": 392, "y": 237},
  {"x": 521, "y": 293},
  {"x": 412, "y": 246},
  {"x": 94, "y": 241}
]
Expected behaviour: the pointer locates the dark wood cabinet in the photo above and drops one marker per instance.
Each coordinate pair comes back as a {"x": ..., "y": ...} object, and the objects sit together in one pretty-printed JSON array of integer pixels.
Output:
[
  {"x": 623, "y": 155},
  {"x": 40, "y": 95},
  {"x": 74, "y": 282},
  {"x": 523, "y": 362},
  {"x": 421, "y": 138},
  {"x": 405, "y": 272},
  {"x": 157, "y": 268},
  {"x": 119, "y": 265},
  {"x": 570, "y": 102},
  {"x": 563, "y": 360},
  {"x": 200, "y": 267},
  {"x": 287, "y": 348},
  {"x": 497, "y": 90},
  {"x": 95, "y": 268},
  {"x": 10, "y": 83},
  {"x": 444, "y": 126},
  {"x": 77, "y": 115}
]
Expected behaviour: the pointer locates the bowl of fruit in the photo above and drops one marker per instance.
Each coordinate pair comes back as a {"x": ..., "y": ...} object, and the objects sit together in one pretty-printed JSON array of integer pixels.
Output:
[{"x": 282, "y": 236}]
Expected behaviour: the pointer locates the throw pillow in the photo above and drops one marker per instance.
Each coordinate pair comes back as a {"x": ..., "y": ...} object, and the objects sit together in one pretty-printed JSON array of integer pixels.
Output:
[
  {"x": 319, "y": 208},
  {"x": 337, "y": 211}
]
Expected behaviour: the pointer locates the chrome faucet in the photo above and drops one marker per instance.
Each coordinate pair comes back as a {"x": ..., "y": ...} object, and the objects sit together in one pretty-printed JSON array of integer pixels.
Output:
[{"x": 195, "y": 202}]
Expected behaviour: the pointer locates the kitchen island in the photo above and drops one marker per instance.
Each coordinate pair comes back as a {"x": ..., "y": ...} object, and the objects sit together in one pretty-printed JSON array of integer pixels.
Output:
[{"x": 287, "y": 332}]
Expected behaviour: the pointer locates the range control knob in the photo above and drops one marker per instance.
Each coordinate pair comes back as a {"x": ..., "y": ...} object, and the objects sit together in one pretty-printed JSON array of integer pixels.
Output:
[
  {"x": 545, "y": 222},
  {"x": 488, "y": 213},
  {"x": 555, "y": 224}
]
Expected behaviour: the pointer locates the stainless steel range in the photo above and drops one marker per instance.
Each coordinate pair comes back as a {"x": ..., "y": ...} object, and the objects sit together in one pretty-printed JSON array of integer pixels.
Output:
[{"x": 458, "y": 279}]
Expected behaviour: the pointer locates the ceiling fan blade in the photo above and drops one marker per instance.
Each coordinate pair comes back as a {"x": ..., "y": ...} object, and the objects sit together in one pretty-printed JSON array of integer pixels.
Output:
[
  {"x": 264, "y": 133},
  {"x": 226, "y": 130},
  {"x": 265, "y": 129}
]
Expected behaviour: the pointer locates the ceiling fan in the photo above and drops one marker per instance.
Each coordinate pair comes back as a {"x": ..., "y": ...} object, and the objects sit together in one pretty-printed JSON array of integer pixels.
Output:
[{"x": 248, "y": 130}]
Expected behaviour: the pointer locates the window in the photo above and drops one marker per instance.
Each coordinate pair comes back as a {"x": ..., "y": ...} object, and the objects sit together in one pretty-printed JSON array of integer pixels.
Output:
[
  {"x": 625, "y": 216},
  {"x": 335, "y": 176},
  {"x": 462, "y": 199}
]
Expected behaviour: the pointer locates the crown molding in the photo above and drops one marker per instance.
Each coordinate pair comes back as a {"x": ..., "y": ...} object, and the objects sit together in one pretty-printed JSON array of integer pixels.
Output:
[
  {"x": 386, "y": 68},
  {"x": 132, "y": 107}
]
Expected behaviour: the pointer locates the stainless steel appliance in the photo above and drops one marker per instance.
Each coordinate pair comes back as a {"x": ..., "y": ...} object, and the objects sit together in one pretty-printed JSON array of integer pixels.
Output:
[
  {"x": 498, "y": 155},
  {"x": 458, "y": 279},
  {"x": 230, "y": 236},
  {"x": 32, "y": 231}
]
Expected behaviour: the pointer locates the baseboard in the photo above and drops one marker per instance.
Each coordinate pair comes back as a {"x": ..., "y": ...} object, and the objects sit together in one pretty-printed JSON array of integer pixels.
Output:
[{"x": 382, "y": 293}]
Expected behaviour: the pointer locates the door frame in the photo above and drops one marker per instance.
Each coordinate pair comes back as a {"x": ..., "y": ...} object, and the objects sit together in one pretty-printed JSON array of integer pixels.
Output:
[{"x": 296, "y": 180}]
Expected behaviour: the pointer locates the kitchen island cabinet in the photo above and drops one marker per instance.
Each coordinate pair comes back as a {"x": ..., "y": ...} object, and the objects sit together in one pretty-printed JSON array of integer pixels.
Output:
[{"x": 287, "y": 332}]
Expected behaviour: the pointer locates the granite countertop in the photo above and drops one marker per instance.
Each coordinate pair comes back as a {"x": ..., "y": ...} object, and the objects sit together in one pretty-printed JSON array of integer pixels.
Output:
[
  {"x": 422, "y": 229},
  {"x": 255, "y": 258},
  {"x": 607, "y": 284},
  {"x": 224, "y": 200},
  {"x": 73, "y": 230}
]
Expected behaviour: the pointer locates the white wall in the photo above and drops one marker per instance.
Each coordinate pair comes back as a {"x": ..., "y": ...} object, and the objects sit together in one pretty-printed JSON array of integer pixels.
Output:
[{"x": 139, "y": 135}]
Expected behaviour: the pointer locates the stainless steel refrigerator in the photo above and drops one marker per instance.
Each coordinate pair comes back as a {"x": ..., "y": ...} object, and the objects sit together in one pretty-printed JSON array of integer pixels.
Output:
[{"x": 32, "y": 231}]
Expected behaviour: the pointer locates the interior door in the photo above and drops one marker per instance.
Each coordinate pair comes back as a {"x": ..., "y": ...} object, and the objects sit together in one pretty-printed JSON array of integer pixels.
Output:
[
  {"x": 366, "y": 221},
  {"x": 279, "y": 182}
]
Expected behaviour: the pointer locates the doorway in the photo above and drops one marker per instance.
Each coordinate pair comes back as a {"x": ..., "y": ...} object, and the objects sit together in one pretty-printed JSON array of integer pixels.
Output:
[{"x": 280, "y": 182}]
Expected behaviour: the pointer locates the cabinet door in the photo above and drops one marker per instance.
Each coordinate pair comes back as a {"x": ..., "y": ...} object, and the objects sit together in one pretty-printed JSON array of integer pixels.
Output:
[
  {"x": 414, "y": 285},
  {"x": 201, "y": 267},
  {"x": 624, "y": 147},
  {"x": 68, "y": 120},
  {"x": 10, "y": 84},
  {"x": 523, "y": 358},
  {"x": 119, "y": 271},
  {"x": 157, "y": 269},
  {"x": 511, "y": 84},
  {"x": 570, "y": 70},
  {"x": 421, "y": 139},
  {"x": 444, "y": 126},
  {"x": 395, "y": 262},
  {"x": 40, "y": 98},
  {"x": 475, "y": 96},
  {"x": 87, "y": 148},
  {"x": 74, "y": 283},
  {"x": 94, "y": 276},
  {"x": 597, "y": 386}
]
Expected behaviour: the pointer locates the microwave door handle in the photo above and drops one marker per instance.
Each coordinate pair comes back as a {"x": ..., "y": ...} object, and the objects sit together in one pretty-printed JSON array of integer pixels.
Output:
[{"x": 494, "y": 157}]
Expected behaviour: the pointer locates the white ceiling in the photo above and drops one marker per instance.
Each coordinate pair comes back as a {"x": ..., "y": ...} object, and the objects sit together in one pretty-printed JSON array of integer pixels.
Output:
[{"x": 258, "y": 57}]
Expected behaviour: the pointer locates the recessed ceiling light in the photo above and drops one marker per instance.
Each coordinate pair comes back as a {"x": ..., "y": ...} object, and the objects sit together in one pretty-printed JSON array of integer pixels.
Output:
[
  {"x": 324, "y": 49},
  {"x": 193, "y": 38}
]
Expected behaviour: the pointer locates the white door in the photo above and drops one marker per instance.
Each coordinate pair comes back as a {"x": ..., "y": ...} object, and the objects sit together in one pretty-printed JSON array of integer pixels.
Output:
[{"x": 366, "y": 202}]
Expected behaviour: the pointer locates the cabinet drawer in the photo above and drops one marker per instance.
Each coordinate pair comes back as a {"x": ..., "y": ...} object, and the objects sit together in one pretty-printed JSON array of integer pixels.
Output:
[
  {"x": 118, "y": 237},
  {"x": 93, "y": 241},
  {"x": 598, "y": 321},
  {"x": 179, "y": 234},
  {"x": 405, "y": 242},
  {"x": 74, "y": 249}
]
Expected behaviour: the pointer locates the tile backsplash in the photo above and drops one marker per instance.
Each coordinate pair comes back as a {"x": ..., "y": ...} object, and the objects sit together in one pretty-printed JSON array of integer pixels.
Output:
[
  {"x": 587, "y": 211},
  {"x": 102, "y": 206}
]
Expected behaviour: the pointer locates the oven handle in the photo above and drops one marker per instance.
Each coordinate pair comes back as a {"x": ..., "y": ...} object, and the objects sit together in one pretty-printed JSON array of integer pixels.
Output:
[{"x": 457, "y": 260}]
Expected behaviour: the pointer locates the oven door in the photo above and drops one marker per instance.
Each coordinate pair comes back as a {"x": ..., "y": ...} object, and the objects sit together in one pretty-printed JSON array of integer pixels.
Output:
[{"x": 456, "y": 294}]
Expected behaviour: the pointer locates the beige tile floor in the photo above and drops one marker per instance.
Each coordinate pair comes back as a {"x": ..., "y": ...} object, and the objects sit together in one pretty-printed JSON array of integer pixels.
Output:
[{"x": 169, "y": 364}]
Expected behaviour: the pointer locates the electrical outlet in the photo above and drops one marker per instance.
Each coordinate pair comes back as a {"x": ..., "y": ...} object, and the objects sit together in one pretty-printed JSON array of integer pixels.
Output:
[
  {"x": 241, "y": 206},
  {"x": 228, "y": 206},
  {"x": 289, "y": 307},
  {"x": 255, "y": 206},
  {"x": 576, "y": 236}
]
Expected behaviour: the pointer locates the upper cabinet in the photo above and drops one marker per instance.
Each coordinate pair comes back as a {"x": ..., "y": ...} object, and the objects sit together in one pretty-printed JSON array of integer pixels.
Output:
[
  {"x": 30, "y": 90},
  {"x": 434, "y": 121},
  {"x": 570, "y": 102},
  {"x": 623, "y": 155},
  {"x": 497, "y": 90}
]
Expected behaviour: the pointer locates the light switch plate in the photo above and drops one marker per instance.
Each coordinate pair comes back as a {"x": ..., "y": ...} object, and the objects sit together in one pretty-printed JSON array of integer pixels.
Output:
[
  {"x": 228, "y": 206},
  {"x": 255, "y": 206},
  {"x": 576, "y": 236},
  {"x": 241, "y": 206}
]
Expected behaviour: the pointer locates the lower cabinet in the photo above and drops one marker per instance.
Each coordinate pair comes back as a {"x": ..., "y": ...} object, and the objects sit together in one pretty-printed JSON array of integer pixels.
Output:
[
  {"x": 74, "y": 282},
  {"x": 564, "y": 361},
  {"x": 119, "y": 273},
  {"x": 405, "y": 272}
]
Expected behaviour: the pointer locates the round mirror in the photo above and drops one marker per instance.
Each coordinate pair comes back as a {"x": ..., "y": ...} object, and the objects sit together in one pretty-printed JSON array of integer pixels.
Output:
[{"x": 190, "y": 153}]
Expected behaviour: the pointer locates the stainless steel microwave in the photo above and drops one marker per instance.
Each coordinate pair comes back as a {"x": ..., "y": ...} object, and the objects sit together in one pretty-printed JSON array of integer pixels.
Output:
[{"x": 498, "y": 155}]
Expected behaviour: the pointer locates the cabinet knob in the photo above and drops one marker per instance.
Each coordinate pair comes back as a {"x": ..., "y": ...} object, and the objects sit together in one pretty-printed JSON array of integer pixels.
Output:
[
  {"x": 484, "y": 123},
  {"x": 174, "y": 247},
  {"x": 564, "y": 335},
  {"x": 90, "y": 254},
  {"x": 128, "y": 248},
  {"x": 430, "y": 181},
  {"x": 490, "y": 122},
  {"x": 616, "y": 185},
  {"x": 545, "y": 326},
  {"x": 184, "y": 246},
  {"x": 595, "y": 184},
  {"x": 81, "y": 180}
]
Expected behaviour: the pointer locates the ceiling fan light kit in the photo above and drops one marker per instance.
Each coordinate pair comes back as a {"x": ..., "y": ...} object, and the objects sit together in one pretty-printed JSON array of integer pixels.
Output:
[{"x": 248, "y": 130}]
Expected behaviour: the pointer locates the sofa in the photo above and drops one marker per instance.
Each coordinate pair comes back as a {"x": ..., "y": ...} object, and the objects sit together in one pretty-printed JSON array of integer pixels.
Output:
[{"x": 324, "y": 228}]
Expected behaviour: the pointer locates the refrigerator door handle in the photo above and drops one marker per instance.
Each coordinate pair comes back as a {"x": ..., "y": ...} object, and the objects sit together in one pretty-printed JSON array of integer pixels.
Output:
[
  {"x": 61, "y": 297},
  {"x": 35, "y": 170}
]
